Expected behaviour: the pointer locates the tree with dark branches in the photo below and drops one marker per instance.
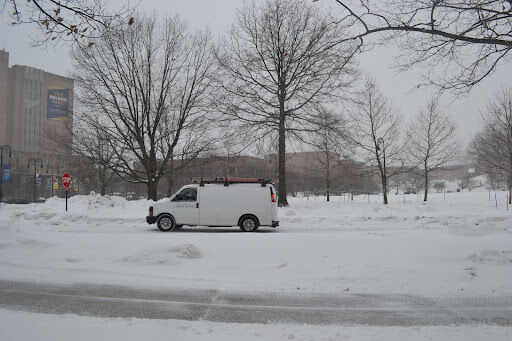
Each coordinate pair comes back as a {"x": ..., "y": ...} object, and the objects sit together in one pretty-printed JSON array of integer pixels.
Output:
[
  {"x": 279, "y": 58},
  {"x": 67, "y": 20},
  {"x": 461, "y": 41},
  {"x": 492, "y": 146},
  {"x": 90, "y": 141},
  {"x": 150, "y": 85},
  {"x": 431, "y": 141},
  {"x": 375, "y": 133},
  {"x": 331, "y": 143}
]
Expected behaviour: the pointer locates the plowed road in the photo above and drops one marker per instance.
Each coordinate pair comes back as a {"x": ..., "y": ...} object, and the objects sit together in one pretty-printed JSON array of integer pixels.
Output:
[{"x": 218, "y": 306}]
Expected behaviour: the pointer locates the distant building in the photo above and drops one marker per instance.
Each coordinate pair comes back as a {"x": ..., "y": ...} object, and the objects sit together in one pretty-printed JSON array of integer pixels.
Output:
[
  {"x": 36, "y": 121},
  {"x": 34, "y": 106}
]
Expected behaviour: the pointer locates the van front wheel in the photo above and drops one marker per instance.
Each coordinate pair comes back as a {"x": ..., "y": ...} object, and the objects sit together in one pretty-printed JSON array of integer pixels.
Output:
[
  {"x": 249, "y": 224},
  {"x": 166, "y": 223}
]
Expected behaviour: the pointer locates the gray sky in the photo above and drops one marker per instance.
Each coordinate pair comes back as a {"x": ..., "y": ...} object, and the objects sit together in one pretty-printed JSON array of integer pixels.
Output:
[{"x": 218, "y": 15}]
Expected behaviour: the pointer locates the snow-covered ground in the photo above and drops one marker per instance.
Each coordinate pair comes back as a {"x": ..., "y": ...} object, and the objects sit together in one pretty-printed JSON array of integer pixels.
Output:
[
  {"x": 457, "y": 244},
  {"x": 31, "y": 326}
]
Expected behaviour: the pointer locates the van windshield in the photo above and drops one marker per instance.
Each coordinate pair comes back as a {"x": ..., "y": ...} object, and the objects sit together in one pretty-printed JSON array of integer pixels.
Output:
[{"x": 187, "y": 194}]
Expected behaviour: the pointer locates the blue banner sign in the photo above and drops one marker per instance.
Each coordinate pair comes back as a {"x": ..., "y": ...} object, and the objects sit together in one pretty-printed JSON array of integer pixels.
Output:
[
  {"x": 58, "y": 104},
  {"x": 6, "y": 174}
]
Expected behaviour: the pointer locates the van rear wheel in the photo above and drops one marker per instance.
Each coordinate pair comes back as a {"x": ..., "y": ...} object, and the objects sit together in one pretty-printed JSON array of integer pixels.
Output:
[
  {"x": 166, "y": 223},
  {"x": 249, "y": 224}
]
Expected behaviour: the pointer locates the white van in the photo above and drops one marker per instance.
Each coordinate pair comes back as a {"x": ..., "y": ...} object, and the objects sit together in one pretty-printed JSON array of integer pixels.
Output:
[{"x": 247, "y": 203}]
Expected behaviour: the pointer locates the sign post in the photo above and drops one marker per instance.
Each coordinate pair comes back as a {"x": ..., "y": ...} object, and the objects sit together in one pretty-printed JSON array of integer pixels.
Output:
[{"x": 66, "y": 181}]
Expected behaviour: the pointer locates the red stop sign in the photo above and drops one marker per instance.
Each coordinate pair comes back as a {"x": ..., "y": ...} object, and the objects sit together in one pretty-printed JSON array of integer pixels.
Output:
[{"x": 66, "y": 180}]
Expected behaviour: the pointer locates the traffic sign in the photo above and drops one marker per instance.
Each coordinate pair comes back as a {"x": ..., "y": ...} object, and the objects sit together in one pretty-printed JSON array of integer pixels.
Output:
[{"x": 66, "y": 180}]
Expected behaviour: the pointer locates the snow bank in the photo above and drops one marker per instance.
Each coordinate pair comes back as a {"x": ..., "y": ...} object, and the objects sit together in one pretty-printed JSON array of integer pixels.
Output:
[{"x": 91, "y": 209}]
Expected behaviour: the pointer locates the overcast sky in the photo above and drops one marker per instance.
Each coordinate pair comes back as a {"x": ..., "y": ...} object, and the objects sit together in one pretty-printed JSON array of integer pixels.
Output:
[{"x": 218, "y": 15}]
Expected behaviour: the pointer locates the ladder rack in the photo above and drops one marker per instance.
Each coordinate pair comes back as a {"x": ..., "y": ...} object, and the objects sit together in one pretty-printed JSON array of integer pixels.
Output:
[{"x": 228, "y": 181}]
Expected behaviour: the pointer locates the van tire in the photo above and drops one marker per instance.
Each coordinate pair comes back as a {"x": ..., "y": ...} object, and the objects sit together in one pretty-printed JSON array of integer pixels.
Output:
[
  {"x": 166, "y": 223},
  {"x": 248, "y": 223}
]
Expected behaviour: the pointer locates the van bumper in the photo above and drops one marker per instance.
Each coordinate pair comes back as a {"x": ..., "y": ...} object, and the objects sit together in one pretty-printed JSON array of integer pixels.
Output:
[
  {"x": 150, "y": 219},
  {"x": 275, "y": 223}
]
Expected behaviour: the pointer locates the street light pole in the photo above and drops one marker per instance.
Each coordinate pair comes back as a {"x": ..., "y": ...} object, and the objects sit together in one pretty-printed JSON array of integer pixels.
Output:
[{"x": 35, "y": 162}]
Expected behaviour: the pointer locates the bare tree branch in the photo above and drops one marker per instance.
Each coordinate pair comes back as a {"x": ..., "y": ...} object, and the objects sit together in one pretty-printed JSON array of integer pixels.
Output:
[
  {"x": 279, "y": 59},
  {"x": 431, "y": 141},
  {"x": 470, "y": 38},
  {"x": 148, "y": 86},
  {"x": 68, "y": 20}
]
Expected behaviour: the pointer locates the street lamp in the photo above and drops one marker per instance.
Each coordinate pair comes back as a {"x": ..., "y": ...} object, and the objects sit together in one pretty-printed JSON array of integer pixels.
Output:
[
  {"x": 35, "y": 162},
  {"x": 3, "y": 148}
]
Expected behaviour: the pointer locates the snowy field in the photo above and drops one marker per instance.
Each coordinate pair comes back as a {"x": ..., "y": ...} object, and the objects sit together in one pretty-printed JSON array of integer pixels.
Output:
[
  {"x": 461, "y": 245},
  {"x": 458, "y": 245}
]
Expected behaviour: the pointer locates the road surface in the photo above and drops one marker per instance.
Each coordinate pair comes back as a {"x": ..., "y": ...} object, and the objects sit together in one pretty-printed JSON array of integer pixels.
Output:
[{"x": 218, "y": 306}]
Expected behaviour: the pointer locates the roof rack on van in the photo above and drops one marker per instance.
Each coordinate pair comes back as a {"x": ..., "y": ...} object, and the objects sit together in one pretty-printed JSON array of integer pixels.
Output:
[{"x": 227, "y": 181}]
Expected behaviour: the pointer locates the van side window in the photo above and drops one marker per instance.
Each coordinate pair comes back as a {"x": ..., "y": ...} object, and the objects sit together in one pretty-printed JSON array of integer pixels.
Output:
[{"x": 188, "y": 194}]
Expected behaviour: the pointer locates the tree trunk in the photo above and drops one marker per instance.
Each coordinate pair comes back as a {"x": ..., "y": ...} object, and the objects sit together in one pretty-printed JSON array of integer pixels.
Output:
[
  {"x": 384, "y": 190},
  {"x": 282, "y": 201},
  {"x": 383, "y": 181},
  {"x": 152, "y": 190},
  {"x": 510, "y": 191},
  {"x": 170, "y": 178},
  {"x": 327, "y": 175},
  {"x": 102, "y": 180},
  {"x": 426, "y": 184},
  {"x": 327, "y": 187}
]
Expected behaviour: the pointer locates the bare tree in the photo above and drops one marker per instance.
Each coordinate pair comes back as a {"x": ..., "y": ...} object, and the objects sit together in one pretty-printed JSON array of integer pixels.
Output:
[
  {"x": 279, "y": 58},
  {"x": 197, "y": 141},
  {"x": 471, "y": 38},
  {"x": 83, "y": 139},
  {"x": 150, "y": 84},
  {"x": 375, "y": 131},
  {"x": 492, "y": 147},
  {"x": 67, "y": 19},
  {"x": 431, "y": 141},
  {"x": 90, "y": 141},
  {"x": 330, "y": 141}
]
